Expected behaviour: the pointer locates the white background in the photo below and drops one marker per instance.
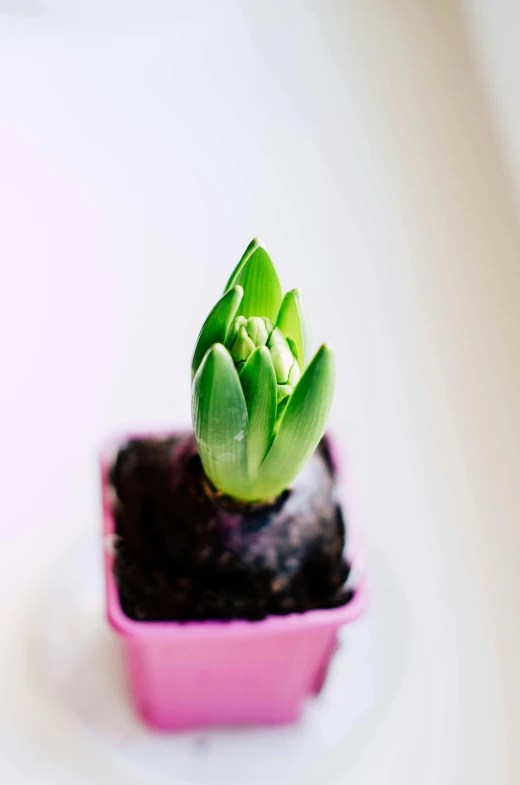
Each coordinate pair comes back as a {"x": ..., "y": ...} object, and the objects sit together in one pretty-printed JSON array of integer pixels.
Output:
[{"x": 372, "y": 146}]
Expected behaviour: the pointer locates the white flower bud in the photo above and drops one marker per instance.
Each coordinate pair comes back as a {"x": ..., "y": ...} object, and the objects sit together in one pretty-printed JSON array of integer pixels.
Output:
[
  {"x": 257, "y": 330},
  {"x": 242, "y": 347},
  {"x": 239, "y": 322},
  {"x": 294, "y": 374},
  {"x": 281, "y": 355}
]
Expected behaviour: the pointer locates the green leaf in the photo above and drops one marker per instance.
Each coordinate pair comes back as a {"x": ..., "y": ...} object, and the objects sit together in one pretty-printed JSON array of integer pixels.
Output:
[
  {"x": 216, "y": 325},
  {"x": 262, "y": 289},
  {"x": 301, "y": 427},
  {"x": 220, "y": 422},
  {"x": 258, "y": 382},
  {"x": 245, "y": 256},
  {"x": 294, "y": 323}
]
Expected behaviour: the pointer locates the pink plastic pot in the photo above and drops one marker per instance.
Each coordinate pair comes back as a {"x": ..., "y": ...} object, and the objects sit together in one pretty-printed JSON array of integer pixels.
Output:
[{"x": 223, "y": 673}]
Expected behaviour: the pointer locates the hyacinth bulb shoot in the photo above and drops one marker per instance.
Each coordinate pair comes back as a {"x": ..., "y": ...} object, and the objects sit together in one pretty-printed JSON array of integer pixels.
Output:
[{"x": 259, "y": 406}]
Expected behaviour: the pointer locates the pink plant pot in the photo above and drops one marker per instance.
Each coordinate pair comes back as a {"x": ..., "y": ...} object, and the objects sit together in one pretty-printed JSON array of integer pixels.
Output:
[{"x": 196, "y": 674}]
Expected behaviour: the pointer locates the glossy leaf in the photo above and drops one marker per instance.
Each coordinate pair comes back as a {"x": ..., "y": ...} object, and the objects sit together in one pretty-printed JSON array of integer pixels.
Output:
[
  {"x": 258, "y": 382},
  {"x": 245, "y": 256},
  {"x": 301, "y": 427},
  {"x": 262, "y": 289},
  {"x": 220, "y": 422},
  {"x": 294, "y": 324},
  {"x": 217, "y": 324}
]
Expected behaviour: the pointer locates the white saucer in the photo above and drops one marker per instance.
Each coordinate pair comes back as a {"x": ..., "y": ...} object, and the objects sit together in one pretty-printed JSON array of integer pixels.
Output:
[{"x": 83, "y": 663}]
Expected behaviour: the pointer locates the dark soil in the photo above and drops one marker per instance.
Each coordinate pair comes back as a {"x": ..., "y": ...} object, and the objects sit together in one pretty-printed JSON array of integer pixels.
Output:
[{"x": 186, "y": 553}]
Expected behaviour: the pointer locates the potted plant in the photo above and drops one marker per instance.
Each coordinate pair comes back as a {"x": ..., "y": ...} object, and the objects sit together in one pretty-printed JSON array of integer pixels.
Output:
[{"x": 226, "y": 560}]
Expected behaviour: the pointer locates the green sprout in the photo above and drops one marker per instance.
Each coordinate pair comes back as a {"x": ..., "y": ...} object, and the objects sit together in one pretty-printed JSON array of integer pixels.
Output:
[{"x": 259, "y": 407}]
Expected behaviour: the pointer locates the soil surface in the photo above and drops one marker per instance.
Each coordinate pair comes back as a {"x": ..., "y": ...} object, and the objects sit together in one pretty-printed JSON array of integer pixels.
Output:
[{"x": 184, "y": 552}]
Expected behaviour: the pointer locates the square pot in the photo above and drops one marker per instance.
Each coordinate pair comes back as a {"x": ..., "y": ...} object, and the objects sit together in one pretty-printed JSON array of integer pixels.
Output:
[{"x": 196, "y": 674}]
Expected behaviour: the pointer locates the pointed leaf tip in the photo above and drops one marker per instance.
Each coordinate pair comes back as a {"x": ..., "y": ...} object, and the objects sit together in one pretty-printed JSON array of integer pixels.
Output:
[
  {"x": 247, "y": 253},
  {"x": 217, "y": 324},
  {"x": 258, "y": 382},
  {"x": 294, "y": 323},
  {"x": 220, "y": 421},
  {"x": 262, "y": 289}
]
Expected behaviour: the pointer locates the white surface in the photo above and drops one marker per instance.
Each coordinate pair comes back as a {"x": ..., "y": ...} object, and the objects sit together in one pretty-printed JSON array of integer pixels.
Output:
[
  {"x": 82, "y": 662},
  {"x": 495, "y": 28},
  {"x": 138, "y": 156}
]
